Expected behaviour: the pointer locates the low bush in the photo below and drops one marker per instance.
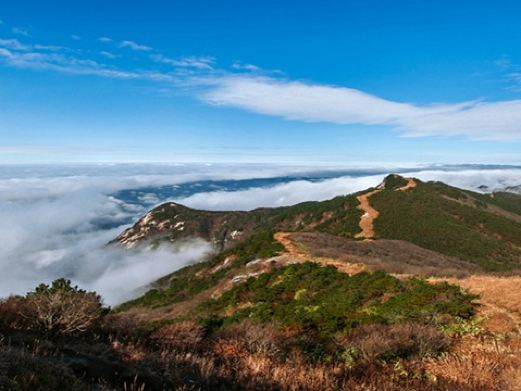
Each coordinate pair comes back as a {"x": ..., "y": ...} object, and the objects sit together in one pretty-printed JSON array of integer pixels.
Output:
[
  {"x": 188, "y": 281},
  {"x": 182, "y": 336},
  {"x": 374, "y": 342},
  {"x": 57, "y": 308},
  {"x": 20, "y": 370},
  {"x": 308, "y": 297}
]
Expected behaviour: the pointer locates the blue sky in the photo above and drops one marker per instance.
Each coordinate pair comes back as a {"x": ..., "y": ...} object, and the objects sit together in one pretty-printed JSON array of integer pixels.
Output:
[{"x": 352, "y": 82}]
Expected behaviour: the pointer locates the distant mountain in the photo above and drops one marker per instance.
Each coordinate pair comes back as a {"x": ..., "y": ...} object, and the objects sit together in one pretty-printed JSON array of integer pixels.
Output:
[{"x": 514, "y": 189}]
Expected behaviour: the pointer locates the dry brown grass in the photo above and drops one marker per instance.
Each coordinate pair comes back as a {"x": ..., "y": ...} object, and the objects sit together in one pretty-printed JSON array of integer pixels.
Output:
[
  {"x": 500, "y": 291},
  {"x": 379, "y": 342},
  {"x": 482, "y": 370},
  {"x": 381, "y": 254},
  {"x": 500, "y": 300},
  {"x": 250, "y": 356},
  {"x": 181, "y": 336}
]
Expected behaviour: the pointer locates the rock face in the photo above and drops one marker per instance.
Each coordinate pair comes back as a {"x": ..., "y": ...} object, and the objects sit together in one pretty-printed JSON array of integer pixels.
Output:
[{"x": 171, "y": 222}]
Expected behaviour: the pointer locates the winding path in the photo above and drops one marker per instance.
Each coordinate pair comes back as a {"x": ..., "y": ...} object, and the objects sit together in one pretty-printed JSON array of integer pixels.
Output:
[
  {"x": 371, "y": 214},
  {"x": 296, "y": 253},
  {"x": 411, "y": 183},
  {"x": 290, "y": 246}
]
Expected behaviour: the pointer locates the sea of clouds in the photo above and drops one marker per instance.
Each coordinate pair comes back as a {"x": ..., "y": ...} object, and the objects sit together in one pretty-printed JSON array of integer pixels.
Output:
[{"x": 56, "y": 221}]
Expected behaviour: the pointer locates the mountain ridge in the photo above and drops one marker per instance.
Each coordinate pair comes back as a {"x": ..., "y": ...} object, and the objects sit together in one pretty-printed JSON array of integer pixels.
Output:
[{"x": 438, "y": 217}]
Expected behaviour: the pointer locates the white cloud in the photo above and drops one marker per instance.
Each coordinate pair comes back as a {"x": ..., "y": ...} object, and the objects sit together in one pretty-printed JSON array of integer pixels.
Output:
[
  {"x": 300, "y": 191},
  {"x": 108, "y": 54},
  {"x": 295, "y": 100},
  {"x": 473, "y": 179},
  {"x": 13, "y": 44},
  {"x": 105, "y": 39},
  {"x": 75, "y": 37},
  {"x": 280, "y": 195},
  {"x": 20, "y": 31},
  {"x": 50, "y": 224},
  {"x": 60, "y": 62},
  {"x": 246, "y": 67},
  {"x": 134, "y": 46},
  {"x": 189, "y": 62}
]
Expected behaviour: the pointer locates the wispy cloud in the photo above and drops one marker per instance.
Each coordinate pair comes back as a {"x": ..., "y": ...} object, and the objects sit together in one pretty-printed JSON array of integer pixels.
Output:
[
  {"x": 503, "y": 63},
  {"x": 105, "y": 39},
  {"x": 14, "y": 44},
  {"x": 189, "y": 62},
  {"x": 20, "y": 31},
  {"x": 246, "y": 67},
  {"x": 60, "y": 59},
  {"x": 75, "y": 37},
  {"x": 134, "y": 46},
  {"x": 511, "y": 73},
  {"x": 108, "y": 54}
]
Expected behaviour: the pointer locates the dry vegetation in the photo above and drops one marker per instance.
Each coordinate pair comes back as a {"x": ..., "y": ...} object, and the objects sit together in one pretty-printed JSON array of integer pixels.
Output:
[
  {"x": 115, "y": 352},
  {"x": 249, "y": 356}
]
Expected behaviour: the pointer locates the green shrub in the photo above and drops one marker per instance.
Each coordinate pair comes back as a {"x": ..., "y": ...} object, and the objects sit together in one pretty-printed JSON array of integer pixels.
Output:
[
  {"x": 187, "y": 282},
  {"x": 315, "y": 298}
]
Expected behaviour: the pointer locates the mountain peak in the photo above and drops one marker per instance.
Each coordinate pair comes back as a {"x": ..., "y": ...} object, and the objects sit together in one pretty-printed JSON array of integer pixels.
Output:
[{"x": 394, "y": 182}]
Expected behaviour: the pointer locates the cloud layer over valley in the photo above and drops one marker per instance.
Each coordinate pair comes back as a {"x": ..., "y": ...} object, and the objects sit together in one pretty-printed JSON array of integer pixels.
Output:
[{"x": 55, "y": 221}]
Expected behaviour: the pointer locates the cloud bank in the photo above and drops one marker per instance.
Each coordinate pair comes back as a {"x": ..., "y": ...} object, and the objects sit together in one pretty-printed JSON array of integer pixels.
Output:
[
  {"x": 54, "y": 227},
  {"x": 300, "y": 191},
  {"x": 55, "y": 221}
]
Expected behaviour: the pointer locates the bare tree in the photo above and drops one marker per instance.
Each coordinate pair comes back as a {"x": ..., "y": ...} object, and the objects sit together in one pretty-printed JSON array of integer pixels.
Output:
[{"x": 61, "y": 308}]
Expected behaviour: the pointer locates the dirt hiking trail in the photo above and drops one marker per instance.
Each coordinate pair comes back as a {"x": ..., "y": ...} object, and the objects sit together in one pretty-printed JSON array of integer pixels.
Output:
[
  {"x": 298, "y": 254},
  {"x": 371, "y": 214}
]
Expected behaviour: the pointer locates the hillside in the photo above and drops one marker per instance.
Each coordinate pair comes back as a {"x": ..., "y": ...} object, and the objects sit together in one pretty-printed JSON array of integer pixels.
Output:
[
  {"x": 480, "y": 229},
  {"x": 394, "y": 288},
  {"x": 336, "y": 282},
  {"x": 423, "y": 229},
  {"x": 172, "y": 222}
]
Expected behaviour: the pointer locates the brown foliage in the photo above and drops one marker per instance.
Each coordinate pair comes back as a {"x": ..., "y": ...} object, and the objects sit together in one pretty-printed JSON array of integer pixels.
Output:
[
  {"x": 62, "y": 312},
  {"x": 376, "y": 341},
  {"x": 480, "y": 371},
  {"x": 20, "y": 370},
  {"x": 259, "y": 339},
  {"x": 182, "y": 336},
  {"x": 11, "y": 310},
  {"x": 58, "y": 309}
]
